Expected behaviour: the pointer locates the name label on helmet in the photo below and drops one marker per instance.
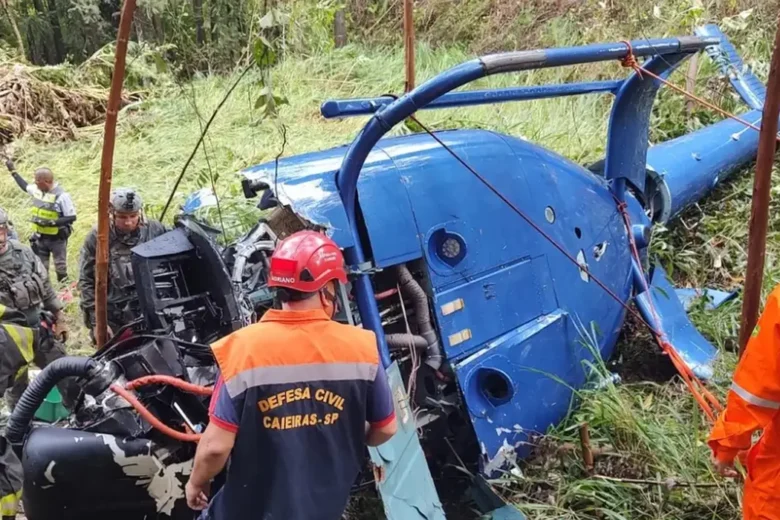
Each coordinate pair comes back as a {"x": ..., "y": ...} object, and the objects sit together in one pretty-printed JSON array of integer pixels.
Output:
[
  {"x": 325, "y": 256},
  {"x": 283, "y": 279}
]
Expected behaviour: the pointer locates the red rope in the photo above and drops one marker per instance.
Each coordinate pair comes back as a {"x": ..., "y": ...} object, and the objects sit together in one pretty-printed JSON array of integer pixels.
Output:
[
  {"x": 703, "y": 397},
  {"x": 630, "y": 62}
]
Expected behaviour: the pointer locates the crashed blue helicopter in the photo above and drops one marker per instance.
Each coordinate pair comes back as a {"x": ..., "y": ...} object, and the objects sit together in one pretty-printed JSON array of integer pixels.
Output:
[
  {"x": 480, "y": 217},
  {"x": 477, "y": 258}
]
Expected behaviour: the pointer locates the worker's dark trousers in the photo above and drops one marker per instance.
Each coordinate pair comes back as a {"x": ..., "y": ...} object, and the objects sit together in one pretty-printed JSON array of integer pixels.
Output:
[
  {"x": 57, "y": 247},
  {"x": 44, "y": 353}
]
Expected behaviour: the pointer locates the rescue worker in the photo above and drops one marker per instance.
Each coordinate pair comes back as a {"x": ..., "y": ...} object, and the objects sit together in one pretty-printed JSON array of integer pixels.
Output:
[
  {"x": 752, "y": 404},
  {"x": 24, "y": 285},
  {"x": 53, "y": 215},
  {"x": 128, "y": 229},
  {"x": 17, "y": 342},
  {"x": 298, "y": 398}
]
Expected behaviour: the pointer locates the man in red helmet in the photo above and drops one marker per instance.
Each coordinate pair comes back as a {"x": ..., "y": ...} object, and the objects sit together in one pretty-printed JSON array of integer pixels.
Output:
[{"x": 298, "y": 398}]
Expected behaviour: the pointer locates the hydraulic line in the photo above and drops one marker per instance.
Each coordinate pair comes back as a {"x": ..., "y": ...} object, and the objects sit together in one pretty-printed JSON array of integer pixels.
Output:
[
  {"x": 169, "y": 380},
  {"x": 36, "y": 392},
  {"x": 156, "y": 423}
]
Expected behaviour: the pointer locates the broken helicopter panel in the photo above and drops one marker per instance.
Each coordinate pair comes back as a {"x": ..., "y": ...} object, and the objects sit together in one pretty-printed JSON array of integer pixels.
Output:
[{"x": 478, "y": 313}]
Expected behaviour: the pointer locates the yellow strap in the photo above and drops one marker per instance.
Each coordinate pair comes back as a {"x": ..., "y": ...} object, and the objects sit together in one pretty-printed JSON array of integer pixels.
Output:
[
  {"x": 45, "y": 230},
  {"x": 45, "y": 214},
  {"x": 41, "y": 214},
  {"x": 23, "y": 337},
  {"x": 2, "y": 310},
  {"x": 9, "y": 504}
]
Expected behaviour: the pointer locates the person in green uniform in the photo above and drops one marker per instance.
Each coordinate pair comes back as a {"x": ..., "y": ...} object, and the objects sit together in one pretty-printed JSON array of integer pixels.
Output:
[
  {"x": 128, "y": 229},
  {"x": 17, "y": 346},
  {"x": 25, "y": 286}
]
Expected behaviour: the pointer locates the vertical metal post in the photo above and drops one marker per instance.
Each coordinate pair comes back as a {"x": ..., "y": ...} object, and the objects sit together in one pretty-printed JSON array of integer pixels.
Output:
[
  {"x": 409, "y": 44},
  {"x": 759, "y": 213},
  {"x": 106, "y": 165}
]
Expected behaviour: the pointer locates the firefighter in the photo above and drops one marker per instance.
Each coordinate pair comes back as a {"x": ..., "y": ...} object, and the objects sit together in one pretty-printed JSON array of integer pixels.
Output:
[
  {"x": 298, "y": 398},
  {"x": 17, "y": 342},
  {"x": 128, "y": 228},
  {"x": 752, "y": 404},
  {"x": 53, "y": 215},
  {"x": 24, "y": 285}
]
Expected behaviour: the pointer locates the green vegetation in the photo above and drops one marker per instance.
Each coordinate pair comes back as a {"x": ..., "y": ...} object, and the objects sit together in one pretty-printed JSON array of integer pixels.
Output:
[{"x": 650, "y": 431}]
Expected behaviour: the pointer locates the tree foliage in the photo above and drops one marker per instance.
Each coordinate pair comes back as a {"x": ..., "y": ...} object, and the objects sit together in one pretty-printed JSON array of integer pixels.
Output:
[{"x": 199, "y": 35}]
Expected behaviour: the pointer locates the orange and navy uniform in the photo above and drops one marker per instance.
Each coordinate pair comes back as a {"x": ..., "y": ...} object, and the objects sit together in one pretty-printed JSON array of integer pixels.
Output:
[
  {"x": 297, "y": 389},
  {"x": 753, "y": 405}
]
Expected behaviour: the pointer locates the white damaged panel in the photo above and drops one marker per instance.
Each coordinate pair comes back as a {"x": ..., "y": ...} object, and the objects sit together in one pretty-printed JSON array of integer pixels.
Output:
[{"x": 163, "y": 483}]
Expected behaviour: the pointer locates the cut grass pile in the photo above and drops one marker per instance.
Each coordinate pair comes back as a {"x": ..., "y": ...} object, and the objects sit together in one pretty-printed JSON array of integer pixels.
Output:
[{"x": 654, "y": 429}]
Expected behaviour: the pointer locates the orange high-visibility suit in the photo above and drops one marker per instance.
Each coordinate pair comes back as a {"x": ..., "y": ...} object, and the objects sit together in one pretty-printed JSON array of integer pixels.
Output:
[{"x": 753, "y": 404}]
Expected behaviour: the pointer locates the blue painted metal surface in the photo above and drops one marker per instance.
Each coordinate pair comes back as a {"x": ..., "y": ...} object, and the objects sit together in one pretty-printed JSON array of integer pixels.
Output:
[
  {"x": 670, "y": 319},
  {"x": 725, "y": 55},
  {"x": 203, "y": 198},
  {"x": 407, "y": 487},
  {"x": 629, "y": 125},
  {"x": 688, "y": 167},
  {"x": 506, "y": 512},
  {"x": 515, "y": 341},
  {"x": 358, "y": 107},
  {"x": 713, "y": 297}
]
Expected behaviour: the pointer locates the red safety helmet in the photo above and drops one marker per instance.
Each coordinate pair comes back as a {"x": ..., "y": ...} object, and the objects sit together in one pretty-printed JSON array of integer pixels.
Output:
[{"x": 305, "y": 261}]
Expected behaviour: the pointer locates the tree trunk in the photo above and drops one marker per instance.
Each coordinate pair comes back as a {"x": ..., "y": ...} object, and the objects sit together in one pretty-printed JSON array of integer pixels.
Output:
[
  {"x": 54, "y": 20},
  {"x": 690, "y": 83},
  {"x": 197, "y": 8},
  {"x": 45, "y": 55},
  {"x": 12, "y": 20},
  {"x": 340, "y": 29},
  {"x": 137, "y": 28},
  {"x": 159, "y": 29},
  {"x": 214, "y": 20}
]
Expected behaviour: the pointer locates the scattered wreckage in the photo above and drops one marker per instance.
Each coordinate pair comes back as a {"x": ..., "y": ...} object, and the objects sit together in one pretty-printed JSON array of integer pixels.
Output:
[{"x": 476, "y": 257}]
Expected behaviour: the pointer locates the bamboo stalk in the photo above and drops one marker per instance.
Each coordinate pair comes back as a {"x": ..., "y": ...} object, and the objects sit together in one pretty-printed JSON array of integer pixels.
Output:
[
  {"x": 759, "y": 211},
  {"x": 409, "y": 44},
  {"x": 106, "y": 169}
]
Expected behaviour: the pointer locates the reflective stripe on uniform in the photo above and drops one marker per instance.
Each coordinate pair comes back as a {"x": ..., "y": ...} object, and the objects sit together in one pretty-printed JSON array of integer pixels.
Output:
[
  {"x": 282, "y": 374},
  {"x": 754, "y": 399},
  {"x": 23, "y": 337},
  {"x": 2, "y": 310},
  {"x": 45, "y": 209},
  {"x": 9, "y": 504}
]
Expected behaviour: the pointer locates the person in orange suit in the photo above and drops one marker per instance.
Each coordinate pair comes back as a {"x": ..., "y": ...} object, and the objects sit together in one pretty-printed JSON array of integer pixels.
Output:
[{"x": 752, "y": 405}]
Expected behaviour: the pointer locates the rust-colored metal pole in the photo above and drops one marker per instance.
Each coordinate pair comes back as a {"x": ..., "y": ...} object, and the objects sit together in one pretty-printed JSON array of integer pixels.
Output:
[
  {"x": 759, "y": 214},
  {"x": 106, "y": 166},
  {"x": 409, "y": 43}
]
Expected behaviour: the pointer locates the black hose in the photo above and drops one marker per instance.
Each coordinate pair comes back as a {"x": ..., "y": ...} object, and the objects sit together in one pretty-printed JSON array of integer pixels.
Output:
[
  {"x": 411, "y": 289},
  {"x": 405, "y": 340},
  {"x": 33, "y": 396}
]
